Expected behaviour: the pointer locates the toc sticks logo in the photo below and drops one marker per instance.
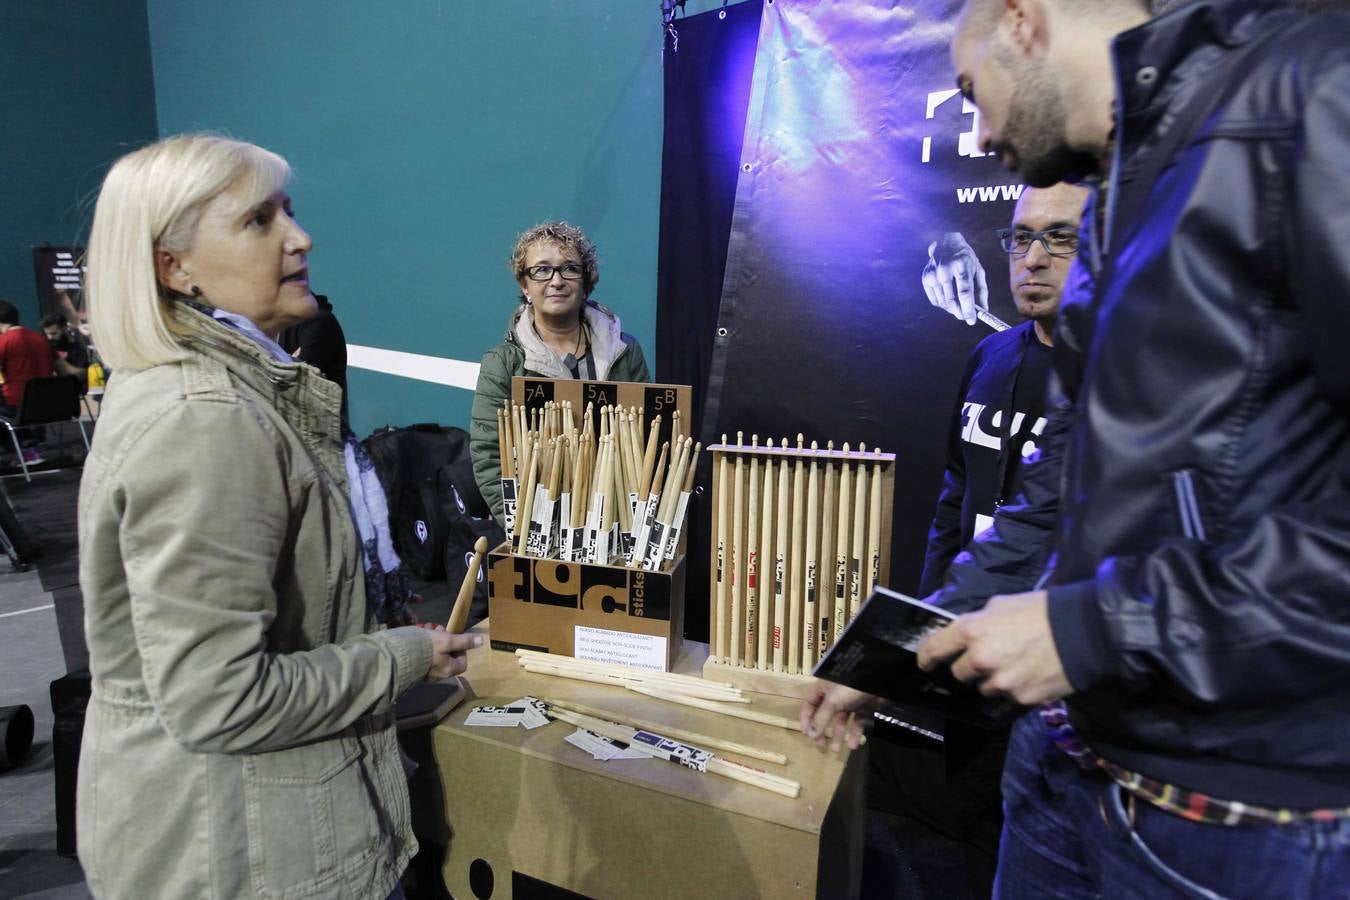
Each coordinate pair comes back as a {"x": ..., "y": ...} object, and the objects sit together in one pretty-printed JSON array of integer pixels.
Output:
[{"x": 967, "y": 142}]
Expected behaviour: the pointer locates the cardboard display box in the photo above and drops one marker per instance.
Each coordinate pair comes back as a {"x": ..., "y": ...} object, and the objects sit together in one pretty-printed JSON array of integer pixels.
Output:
[
  {"x": 653, "y": 399},
  {"x": 528, "y": 812},
  {"x": 618, "y": 614}
]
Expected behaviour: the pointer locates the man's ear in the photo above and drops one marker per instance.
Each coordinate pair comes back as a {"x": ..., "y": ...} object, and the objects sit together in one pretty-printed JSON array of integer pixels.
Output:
[
  {"x": 170, "y": 272},
  {"x": 1026, "y": 25}
]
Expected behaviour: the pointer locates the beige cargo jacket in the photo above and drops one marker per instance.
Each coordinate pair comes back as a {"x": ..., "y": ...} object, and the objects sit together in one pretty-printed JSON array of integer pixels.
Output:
[{"x": 240, "y": 739}]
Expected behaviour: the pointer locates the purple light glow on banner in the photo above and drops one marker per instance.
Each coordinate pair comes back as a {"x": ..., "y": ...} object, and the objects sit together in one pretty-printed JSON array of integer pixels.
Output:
[{"x": 857, "y": 155}]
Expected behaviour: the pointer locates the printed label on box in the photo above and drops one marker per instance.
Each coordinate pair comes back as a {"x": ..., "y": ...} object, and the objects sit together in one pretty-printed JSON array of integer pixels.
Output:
[{"x": 642, "y": 651}]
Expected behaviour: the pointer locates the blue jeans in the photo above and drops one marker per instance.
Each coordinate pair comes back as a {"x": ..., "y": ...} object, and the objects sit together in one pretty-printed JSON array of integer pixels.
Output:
[{"x": 1074, "y": 834}]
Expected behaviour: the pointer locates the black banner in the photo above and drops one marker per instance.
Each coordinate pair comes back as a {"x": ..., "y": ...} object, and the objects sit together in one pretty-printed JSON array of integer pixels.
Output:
[{"x": 860, "y": 167}]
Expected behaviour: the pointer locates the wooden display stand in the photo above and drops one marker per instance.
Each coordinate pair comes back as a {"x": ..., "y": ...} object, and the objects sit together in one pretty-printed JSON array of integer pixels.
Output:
[
  {"x": 772, "y": 558},
  {"x": 525, "y": 807}
]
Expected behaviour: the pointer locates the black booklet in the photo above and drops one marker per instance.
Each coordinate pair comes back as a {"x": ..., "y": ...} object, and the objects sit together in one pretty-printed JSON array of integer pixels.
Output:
[{"x": 877, "y": 654}]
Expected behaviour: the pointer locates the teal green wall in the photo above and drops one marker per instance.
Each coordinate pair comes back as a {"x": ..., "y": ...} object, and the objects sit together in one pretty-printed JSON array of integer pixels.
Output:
[
  {"x": 425, "y": 134},
  {"x": 75, "y": 93}
]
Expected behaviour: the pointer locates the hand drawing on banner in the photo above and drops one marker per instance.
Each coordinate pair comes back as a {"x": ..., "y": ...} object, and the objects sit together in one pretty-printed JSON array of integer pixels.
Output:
[{"x": 954, "y": 278}]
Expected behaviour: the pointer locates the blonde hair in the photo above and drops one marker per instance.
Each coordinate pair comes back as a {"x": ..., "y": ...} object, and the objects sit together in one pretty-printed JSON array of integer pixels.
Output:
[{"x": 152, "y": 199}]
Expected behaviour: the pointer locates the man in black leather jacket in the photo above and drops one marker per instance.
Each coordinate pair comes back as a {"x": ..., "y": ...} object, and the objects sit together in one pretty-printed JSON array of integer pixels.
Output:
[{"x": 1179, "y": 566}]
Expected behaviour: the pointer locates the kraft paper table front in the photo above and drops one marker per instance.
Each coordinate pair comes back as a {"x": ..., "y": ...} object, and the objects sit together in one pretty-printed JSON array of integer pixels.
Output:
[{"x": 524, "y": 807}]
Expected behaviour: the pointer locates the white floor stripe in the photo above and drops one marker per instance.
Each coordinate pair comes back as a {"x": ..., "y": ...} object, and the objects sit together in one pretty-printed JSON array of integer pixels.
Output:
[
  {"x": 435, "y": 369},
  {"x": 19, "y": 612}
]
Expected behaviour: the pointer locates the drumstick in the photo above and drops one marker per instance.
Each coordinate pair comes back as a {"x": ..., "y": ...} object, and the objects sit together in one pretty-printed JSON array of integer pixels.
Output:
[
  {"x": 665, "y": 516},
  {"x": 766, "y": 618},
  {"x": 579, "y": 487},
  {"x": 855, "y": 561},
  {"x": 796, "y": 594},
  {"x": 645, "y": 529},
  {"x": 544, "y": 667},
  {"x": 555, "y": 470},
  {"x": 525, "y": 505},
  {"x": 780, "y": 571},
  {"x": 735, "y": 636},
  {"x": 825, "y": 567},
  {"x": 459, "y": 616},
  {"x": 626, "y": 734},
  {"x": 841, "y": 546},
  {"x": 691, "y": 469},
  {"x": 621, "y": 500},
  {"x": 682, "y": 502},
  {"x": 630, "y": 464},
  {"x": 717, "y": 638},
  {"x": 649, "y": 458},
  {"x": 666, "y": 512},
  {"x": 501, "y": 445},
  {"x": 874, "y": 531},
  {"x": 735, "y": 711},
  {"x": 752, "y": 559},
  {"x": 678, "y": 734},
  {"x": 812, "y": 576},
  {"x": 635, "y": 456}
]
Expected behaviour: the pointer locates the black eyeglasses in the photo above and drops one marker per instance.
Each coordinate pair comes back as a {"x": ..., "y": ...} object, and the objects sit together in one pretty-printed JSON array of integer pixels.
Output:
[
  {"x": 570, "y": 271},
  {"x": 1056, "y": 241}
]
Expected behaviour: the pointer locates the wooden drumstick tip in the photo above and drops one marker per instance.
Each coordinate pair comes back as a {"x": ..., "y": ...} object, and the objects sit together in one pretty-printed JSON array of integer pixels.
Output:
[
  {"x": 829, "y": 446},
  {"x": 754, "y": 440},
  {"x": 740, "y": 439},
  {"x": 800, "y": 440},
  {"x": 814, "y": 446},
  {"x": 459, "y": 616},
  {"x": 724, "y": 437}
]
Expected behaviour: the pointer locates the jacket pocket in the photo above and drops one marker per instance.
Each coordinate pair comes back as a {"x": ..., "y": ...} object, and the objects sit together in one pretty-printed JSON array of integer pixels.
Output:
[
  {"x": 1187, "y": 505},
  {"x": 311, "y": 819}
]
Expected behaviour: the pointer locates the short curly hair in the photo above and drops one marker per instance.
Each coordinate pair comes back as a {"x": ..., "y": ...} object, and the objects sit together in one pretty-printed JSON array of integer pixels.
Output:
[{"x": 565, "y": 235}]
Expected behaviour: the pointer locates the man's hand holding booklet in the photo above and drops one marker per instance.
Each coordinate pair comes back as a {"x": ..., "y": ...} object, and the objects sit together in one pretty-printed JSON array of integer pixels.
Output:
[{"x": 877, "y": 654}]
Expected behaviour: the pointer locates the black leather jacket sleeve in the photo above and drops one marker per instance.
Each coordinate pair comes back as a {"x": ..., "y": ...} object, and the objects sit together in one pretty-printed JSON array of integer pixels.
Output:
[
  {"x": 1264, "y": 614},
  {"x": 1012, "y": 555}
]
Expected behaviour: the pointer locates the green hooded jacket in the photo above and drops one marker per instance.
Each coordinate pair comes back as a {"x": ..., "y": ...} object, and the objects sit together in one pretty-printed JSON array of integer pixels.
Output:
[{"x": 618, "y": 357}]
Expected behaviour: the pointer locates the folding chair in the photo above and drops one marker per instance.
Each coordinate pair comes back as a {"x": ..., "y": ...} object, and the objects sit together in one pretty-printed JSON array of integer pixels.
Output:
[{"x": 52, "y": 400}]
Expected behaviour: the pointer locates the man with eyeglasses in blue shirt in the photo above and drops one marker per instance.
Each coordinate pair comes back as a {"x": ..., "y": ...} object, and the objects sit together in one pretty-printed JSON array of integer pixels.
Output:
[{"x": 1002, "y": 394}]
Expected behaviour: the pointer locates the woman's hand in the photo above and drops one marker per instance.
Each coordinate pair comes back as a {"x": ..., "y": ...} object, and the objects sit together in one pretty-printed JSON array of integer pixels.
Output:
[{"x": 449, "y": 652}]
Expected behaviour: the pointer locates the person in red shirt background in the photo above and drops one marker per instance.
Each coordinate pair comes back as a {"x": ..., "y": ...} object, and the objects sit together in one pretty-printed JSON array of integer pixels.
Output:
[{"x": 24, "y": 354}]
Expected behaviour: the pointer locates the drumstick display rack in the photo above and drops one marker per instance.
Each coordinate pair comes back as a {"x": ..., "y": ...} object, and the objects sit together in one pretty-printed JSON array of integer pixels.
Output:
[{"x": 800, "y": 536}]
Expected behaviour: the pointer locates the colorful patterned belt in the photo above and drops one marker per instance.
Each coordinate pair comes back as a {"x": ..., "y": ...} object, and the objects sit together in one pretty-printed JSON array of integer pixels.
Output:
[{"x": 1188, "y": 804}]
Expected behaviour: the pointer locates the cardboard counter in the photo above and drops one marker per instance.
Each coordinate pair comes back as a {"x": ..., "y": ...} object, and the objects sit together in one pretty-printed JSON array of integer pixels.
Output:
[{"x": 523, "y": 807}]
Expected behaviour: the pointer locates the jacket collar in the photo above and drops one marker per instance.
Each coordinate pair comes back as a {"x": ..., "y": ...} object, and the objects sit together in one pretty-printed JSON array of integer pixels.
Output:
[
  {"x": 298, "y": 391},
  {"x": 602, "y": 330},
  {"x": 1149, "y": 58}
]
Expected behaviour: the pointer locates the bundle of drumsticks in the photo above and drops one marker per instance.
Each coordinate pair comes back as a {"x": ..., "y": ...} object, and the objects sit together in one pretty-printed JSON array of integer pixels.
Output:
[{"x": 582, "y": 495}]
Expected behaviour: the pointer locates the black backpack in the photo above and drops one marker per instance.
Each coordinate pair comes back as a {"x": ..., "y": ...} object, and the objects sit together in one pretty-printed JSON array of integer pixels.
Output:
[{"x": 407, "y": 461}]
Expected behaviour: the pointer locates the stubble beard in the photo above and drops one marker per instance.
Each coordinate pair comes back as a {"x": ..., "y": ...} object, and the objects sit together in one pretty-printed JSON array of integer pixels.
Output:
[{"x": 1037, "y": 122}]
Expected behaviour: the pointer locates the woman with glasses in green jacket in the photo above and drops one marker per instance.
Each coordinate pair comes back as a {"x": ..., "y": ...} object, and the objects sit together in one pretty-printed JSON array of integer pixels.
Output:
[{"x": 555, "y": 331}]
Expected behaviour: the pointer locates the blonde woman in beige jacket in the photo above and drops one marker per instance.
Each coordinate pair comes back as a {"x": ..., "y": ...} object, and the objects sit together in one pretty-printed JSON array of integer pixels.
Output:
[{"x": 240, "y": 739}]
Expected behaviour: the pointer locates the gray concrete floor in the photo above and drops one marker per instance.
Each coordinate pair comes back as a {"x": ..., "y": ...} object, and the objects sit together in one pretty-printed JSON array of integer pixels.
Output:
[{"x": 30, "y": 658}]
